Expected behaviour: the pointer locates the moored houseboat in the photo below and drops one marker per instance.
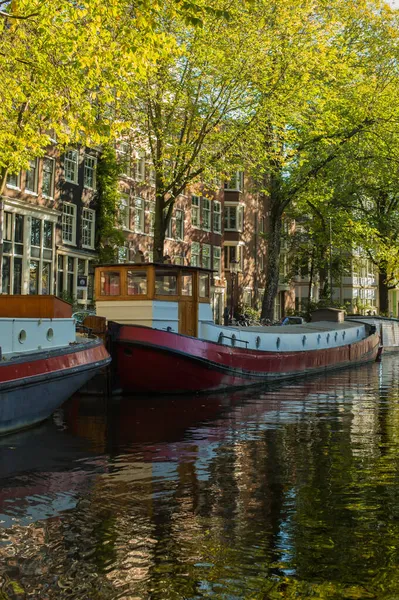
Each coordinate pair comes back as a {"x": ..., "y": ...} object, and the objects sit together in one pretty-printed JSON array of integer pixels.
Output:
[
  {"x": 43, "y": 360},
  {"x": 164, "y": 339}
]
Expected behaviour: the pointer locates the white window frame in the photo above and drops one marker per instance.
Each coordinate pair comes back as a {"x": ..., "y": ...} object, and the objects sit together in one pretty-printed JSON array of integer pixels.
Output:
[
  {"x": 71, "y": 165},
  {"x": 195, "y": 251},
  {"x": 195, "y": 209},
  {"x": 140, "y": 166},
  {"x": 236, "y": 183},
  {"x": 238, "y": 251},
  {"x": 239, "y": 209},
  {"x": 169, "y": 230},
  {"x": 90, "y": 168},
  {"x": 71, "y": 215},
  {"x": 139, "y": 210},
  {"x": 89, "y": 217},
  {"x": 206, "y": 254},
  {"x": 124, "y": 210},
  {"x": 206, "y": 210},
  {"x": 124, "y": 153},
  {"x": 217, "y": 216},
  {"x": 35, "y": 165},
  {"x": 150, "y": 210},
  {"x": 18, "y": 178},
  {"x": 52, "y": 161},
  {"x": 217, "y": 260},
  {"x": 181, "y": 212}
]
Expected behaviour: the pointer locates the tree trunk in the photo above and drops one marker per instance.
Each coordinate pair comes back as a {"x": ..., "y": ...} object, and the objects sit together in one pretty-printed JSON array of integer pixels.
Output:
[
  {"x": 272, "y": 264},
  {"x": 311, "y": 275},
  {"x": 159, "y": 228},
  {"x": 3, "y": 181},
  {"x": 383, "y": 292}
]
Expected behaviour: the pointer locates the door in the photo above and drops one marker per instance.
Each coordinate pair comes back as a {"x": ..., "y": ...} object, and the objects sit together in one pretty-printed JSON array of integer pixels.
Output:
[{"x": 188, "y": 306}]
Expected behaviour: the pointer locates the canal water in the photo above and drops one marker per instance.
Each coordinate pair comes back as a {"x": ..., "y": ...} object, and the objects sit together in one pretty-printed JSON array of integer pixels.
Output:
[{"x": 289, "y": 492}]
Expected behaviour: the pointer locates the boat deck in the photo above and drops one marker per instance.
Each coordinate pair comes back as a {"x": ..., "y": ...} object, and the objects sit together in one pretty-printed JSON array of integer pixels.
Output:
[{"x": 317, "y": 326}]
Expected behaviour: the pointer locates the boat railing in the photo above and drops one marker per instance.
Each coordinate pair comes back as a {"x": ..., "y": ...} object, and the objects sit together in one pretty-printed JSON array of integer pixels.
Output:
[{"x": 233, "y": 338}]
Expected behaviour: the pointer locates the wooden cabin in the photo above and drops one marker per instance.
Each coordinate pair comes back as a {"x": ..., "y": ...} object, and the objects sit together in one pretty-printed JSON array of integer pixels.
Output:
[{"x": 161, "y": 296}]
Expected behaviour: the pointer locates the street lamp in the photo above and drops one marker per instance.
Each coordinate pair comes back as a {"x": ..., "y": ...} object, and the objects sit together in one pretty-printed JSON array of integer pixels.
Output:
[{"x": 234, "y": 265}]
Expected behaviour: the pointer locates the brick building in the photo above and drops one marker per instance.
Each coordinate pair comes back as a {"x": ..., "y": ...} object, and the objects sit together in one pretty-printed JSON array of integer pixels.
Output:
[{"x": 50, "y": 224}]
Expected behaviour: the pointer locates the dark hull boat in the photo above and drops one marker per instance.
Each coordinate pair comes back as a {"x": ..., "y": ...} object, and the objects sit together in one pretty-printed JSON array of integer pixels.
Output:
[{"x": 164, "y": 341}]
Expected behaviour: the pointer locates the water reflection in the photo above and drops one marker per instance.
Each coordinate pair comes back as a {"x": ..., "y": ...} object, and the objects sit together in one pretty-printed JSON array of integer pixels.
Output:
[{"x": 289, "y": 492}]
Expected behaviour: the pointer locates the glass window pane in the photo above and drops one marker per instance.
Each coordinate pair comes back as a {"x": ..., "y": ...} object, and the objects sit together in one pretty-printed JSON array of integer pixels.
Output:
[
  {"x": 17, "y": 275},
  {"x": 165, "y": 283},
  {"x": 46, "y": 277},
  {"x": 19, "y": 229},
  {"x": 34, "y": 277},
  {"x": 204, "y": 285},
  {"x": 187, "y": 285},
  {"x": 48, "y": 234},
  {"x": 110, "y": 283},
  {"x": 136, "y": 283},
  {"x": 35, "y": 232},
  {"x": 6, "y": 274}
]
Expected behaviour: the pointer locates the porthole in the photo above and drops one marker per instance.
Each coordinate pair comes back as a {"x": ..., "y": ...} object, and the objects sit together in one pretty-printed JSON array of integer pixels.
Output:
[
  {"x": 233, "y": 339},
  {"x": 328, "y": 338},
  {"x": 336, "y": 336},
  {"x": 50, "y": 334},
  {"x": 257, "y": 341},
  {"x": 278, "y": 341},
  {"x": 220, "y": 338},
  {"x": 304, "y": 340},
  {"x": 318, "y": 338},
  {"x": 22, "y": 336},
  {"x": 357, "y": 333},
  {"x": 343, "y": 335}
]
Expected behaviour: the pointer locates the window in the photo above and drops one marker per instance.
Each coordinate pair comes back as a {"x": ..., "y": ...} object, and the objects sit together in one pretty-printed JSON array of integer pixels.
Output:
[
  {"x": 136, "y": 283},
  {"x": 89, "y": 174},
  {"x": 138, "y": 215},
  {"x": 13, "y": 180},
  {"x": 262, "y": 225},
  {"x": 13, "y": 249},
  {"x": 124, "y": 155},
  {"x": 34, "y": 277},
  {"x": 195, "y": 254},
  {"x": 140, "y": 167},
  {"x": 206, "y": 256},
  {"x": 41, "y": 251},
  {"x": 178, "y": 260},
  {"x": 110, "y": 283},
  {"x": 233, "y": 253},
  {"x": 236, "y": 183},
  {"x": 217, "y": 255},
  {"x": 123, "y": 254},
  {"x": 48, "y": 177},
  {"x": 69, "y": 223},
  {"x": 71, "y": 164},
  {"x": 88, "y": 227},
  {"x": 195, "y": 211},
  {"x": 233, "y": 217},
  {"x": 206, "y": 214},
  {"x": 168, "y": 232},
  {"x": 217, "y": 217},
  {"x": 31, "y": 177},
  {"x": 152, "y": 176},
  {"x": 150, "y": 208},
  {"x": 187, "y": 285},
  {"x": 179, "y": 225},
  {"x": 124, "y": 211},
  {"x": 204, "y": 285},
  {"x": 165, "y": 283}
]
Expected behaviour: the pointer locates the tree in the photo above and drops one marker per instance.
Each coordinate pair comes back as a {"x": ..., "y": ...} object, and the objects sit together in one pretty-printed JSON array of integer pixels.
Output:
[{"x": 340, "y": 87}]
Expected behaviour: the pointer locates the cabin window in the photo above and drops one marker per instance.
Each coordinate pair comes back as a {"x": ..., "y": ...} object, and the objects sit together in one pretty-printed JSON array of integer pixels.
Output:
[
  {"x": 136, "y": 283},
  {"x": 165, "y": 283},
  {"x": 187, "y": 285},
  {"x": 204, "y": 285},
  {"x": 110, "y": 283}
]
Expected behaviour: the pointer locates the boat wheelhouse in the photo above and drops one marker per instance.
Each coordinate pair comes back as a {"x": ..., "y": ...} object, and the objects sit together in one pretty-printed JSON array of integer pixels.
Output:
[{"x": 165, "y": 341}]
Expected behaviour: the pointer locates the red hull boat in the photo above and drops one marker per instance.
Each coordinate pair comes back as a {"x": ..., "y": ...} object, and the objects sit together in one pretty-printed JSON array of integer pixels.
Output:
[
  {"x": 153, "y": 361},
  {"x": 164, "y": 341}
]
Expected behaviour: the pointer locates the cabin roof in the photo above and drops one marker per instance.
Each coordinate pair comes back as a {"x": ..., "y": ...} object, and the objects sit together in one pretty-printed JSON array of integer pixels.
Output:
[{"x": 166, "y": 266}]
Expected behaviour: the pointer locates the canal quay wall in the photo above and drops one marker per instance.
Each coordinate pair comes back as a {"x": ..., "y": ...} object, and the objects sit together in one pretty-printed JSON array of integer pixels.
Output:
[{"x": 387, "y": 328}]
